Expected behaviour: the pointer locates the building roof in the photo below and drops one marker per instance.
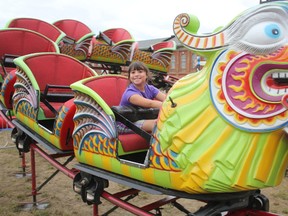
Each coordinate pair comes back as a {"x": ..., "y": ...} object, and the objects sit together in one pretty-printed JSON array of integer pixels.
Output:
[{"x": 145, "y": 44}]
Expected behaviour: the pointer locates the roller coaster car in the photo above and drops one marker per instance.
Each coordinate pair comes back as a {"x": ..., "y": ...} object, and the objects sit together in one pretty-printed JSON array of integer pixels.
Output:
[
  {"x": 112, "y": 47},
  {"x": 108, "y": 90},
  {"x": 157, "y": 57},
  {"x": 43, "y": 100},
  {"x": 105, "y": 154},
  {"x": 220, "y": 134},
  {"x": 78, "y": 38},
  {"x": 15, "y": 42}
]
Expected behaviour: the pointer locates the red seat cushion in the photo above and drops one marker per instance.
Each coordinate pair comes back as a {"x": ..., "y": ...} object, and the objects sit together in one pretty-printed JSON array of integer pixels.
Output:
[
  {"x": 47, "y": 112},
  {"x": 133, "y": 142}
]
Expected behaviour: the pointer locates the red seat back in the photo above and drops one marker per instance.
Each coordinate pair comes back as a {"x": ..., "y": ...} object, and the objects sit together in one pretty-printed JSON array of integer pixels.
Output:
[
  {"x": 57, "y": 69},
  {"x": 73, "y": 28},
  {"x": 110, "y": 88},
  {"x": 18, "y": 42},
  {"x": 162, "y": 45},
  {"x": 37, "y": 25},
  {"x": 21, "y": 42},
  {"x": 118, "y": 34}
]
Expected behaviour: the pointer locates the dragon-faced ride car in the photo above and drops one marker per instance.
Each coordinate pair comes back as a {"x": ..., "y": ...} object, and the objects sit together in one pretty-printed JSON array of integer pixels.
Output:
[
  {"x": 220, "y": 135},
  {"x": 221, "y": 132}
]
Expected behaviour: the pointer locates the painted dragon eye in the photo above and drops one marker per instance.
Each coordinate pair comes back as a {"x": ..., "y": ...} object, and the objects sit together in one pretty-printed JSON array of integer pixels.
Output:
[
  {"x": 273, "y": 31},
  {"x": 265, "y": 33}
]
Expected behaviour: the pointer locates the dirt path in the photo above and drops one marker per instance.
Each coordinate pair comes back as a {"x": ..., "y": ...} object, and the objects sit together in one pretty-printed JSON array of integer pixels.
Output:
[{"x": 15, "y": 191}]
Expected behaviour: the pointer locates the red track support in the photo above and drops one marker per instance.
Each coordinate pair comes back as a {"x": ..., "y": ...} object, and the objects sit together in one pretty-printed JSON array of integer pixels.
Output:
[
  {"x": 53, "y": 162},
  {"x": 158, "y": 203},
  {"x": 116, "y": 198},
  {"x": 8, "y": 121},
  {"x": 51, "y": 159},
  {"x": 95, "y": 210},
  {"x": 9, "y": 124},
  {"x": 23, "y": 162},
  {"x": 34, "y": 190},
  {"x": 33, "y": 173},
  {"x": 127, "y": 206},
  {"x": 113, "y": 198}
]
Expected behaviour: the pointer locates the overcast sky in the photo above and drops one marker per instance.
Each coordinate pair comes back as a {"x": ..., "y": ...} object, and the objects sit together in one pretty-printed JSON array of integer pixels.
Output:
[{"x": 145, "y": 19}]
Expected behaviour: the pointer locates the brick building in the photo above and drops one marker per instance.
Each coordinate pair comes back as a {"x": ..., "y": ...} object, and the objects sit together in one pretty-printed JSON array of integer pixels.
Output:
[{"x": 183, "y": 62}]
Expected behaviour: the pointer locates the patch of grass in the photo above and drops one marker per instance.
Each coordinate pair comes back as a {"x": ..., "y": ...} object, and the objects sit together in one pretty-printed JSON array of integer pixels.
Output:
[
  {"x": 21, "y": 197},
  {"x": 16, "y": 208},
  {"x": 2, "y": 194},
  {"x": 281, "y": 195},
  {"x": 41, "y": 213}
]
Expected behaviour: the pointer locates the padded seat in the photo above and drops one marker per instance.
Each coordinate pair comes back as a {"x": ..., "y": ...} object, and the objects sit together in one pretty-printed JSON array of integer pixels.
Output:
[
  {"x": 48, "y": 112},
  {"x": 111, "y": 89},
  {"x": 39, "y": 26},
  {"x": 112, "y": 47},
  {"x": 157, "y": 58},
  {"x": 117, "y": 35},
  {"x": 73, "y": 28},
  {"x": 58, "y": 70},
  {"x": 133, "y": 142},
  {"x": 18, "y": 42}
]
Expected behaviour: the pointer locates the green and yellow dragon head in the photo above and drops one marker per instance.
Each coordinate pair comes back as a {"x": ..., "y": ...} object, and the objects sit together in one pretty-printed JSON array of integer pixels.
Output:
[{"x": 227, "y": 130}]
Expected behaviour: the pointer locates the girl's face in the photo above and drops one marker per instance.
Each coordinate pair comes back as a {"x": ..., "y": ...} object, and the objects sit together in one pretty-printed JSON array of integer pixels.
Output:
[{"x": 138, "y": 77}]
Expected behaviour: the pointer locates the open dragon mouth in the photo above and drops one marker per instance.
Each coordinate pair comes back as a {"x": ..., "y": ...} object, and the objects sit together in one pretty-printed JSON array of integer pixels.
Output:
[
  {"x": 254, "y": 89},
  {"x": 250, "y": 91},
  {"x": 277, "y": 83},
  {"x": 273, "y": 82}
]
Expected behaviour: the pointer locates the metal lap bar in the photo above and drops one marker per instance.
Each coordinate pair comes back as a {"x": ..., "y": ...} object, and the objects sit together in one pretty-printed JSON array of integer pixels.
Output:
[
  {"x": 69, "y": 40},
  {"x": 46, "y": 102},
  {"x": 48, "y": 86},
  {"x": 106, "y": 38},
  {"x": 132, "y": 126},
  {"x": 8, "y": 60}
]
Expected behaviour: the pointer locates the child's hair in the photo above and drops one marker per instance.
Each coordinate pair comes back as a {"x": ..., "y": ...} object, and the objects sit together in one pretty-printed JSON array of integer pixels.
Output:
[{"x": 137, "y": 65}]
